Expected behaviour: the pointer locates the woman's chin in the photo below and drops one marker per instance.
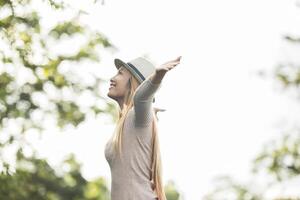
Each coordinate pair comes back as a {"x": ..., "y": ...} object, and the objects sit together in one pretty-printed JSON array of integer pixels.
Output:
[{"x": 110, "y": 95}]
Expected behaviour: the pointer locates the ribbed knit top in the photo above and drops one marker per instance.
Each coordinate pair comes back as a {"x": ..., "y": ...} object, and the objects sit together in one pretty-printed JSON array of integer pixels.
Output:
[{"x": 130, "y": 174}]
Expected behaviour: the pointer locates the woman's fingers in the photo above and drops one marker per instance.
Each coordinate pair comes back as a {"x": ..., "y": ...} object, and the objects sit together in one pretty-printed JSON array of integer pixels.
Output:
[
  {"x": 176, "y": 59},
  {"x": 170, "y": 64},
  {"x": 173, "y": 63}
]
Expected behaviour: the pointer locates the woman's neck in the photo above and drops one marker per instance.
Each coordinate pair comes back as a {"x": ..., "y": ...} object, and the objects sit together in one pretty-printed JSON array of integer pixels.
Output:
[{"x": 120, "y": 102}]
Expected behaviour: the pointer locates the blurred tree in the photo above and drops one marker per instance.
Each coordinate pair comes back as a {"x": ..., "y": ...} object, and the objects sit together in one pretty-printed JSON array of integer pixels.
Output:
[
  {"x": 27, "y": 47},
  {"x": 171, "y": 191},
  {"x": 36, "y": 77},
  {"x": 227, "y": 188},
  {"x": 279, "y": 158},
  {"x": 35, "y": 179},
  {"x": 38, "y": 81}
]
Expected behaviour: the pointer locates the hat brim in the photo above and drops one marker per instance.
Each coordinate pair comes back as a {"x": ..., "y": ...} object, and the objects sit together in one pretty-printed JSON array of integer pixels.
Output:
[{"x": 119, "y": 63}]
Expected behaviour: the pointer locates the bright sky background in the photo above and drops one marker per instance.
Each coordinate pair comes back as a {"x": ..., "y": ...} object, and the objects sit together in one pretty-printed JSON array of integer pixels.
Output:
[{"x": 219, "y": 111}]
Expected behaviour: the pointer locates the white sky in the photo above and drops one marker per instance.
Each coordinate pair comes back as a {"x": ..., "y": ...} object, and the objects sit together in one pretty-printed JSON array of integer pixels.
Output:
[{"x": 219, "y": 112}]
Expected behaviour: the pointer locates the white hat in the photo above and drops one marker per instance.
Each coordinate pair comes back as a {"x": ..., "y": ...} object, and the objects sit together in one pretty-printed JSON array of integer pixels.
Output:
[{"x": 139, "y": 67}]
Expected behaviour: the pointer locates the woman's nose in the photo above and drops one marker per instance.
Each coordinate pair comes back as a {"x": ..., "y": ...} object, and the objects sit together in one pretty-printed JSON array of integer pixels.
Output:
[{"x": 112, "y": 79}]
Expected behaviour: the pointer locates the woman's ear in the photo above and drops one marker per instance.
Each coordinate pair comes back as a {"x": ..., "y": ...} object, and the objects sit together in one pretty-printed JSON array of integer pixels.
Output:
[
  {"x": 129, "y": 82},
  {"x": 130, "y": 90}
]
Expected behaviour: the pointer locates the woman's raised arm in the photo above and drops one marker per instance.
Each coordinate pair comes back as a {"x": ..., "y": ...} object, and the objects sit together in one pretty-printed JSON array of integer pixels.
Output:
[{"x": 145, "y": 93}]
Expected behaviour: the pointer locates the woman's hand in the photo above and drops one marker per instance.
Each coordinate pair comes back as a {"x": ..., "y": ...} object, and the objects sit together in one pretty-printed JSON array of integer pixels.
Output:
[{"x": 163, "y": 69}]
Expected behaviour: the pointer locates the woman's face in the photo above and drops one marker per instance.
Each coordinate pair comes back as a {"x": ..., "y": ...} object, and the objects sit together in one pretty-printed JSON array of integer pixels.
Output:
[{"x": 119, "y": 84}]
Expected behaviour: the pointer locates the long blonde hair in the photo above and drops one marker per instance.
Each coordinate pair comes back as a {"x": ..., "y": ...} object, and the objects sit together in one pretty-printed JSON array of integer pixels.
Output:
[{"x": 156, "y": 167}]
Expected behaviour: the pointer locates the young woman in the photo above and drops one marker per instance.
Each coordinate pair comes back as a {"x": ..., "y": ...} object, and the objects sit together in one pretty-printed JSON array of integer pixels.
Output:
[{"x": 133, "y": 151}]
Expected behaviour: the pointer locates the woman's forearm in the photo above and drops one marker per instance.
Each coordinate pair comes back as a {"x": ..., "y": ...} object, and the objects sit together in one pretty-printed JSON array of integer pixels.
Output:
[{"x": 156, "y": 78}]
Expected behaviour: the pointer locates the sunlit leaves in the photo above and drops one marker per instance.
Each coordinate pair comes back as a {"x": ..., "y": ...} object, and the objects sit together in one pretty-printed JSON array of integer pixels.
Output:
[
  {"x": 6, "y": 22},
  {"x": 5, "y": 80},
  {"x": 35, "y": 179},
  {"x": 68, "y": 28},
  {"x": 2, "y": 2},
  {"x": 281, "y": 158},
  {"x": 288, "y": 74},
  {"x": 23, "y": 36},
  {"x": 292, "y": 39},
  {"x": 69, "y": 112},
  {"x": 56, "y": 5},
  {"x": 27, "y": 44},
  {"x": 171, "y": 191},
  {"x": 227, "y": 188},
  {"x": 97, "y": 190}
]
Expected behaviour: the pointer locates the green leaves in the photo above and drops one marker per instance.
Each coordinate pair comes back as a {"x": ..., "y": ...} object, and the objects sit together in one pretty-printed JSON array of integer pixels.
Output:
[
  {"x": 280, "y": 158},
  {"x": 171, "y": 191},
  {"x": 35, "y": 179},
  {"x": 68, "y": 28},
  {"x": 5, "y": 80},
  {"x": 34, "y": 82},
  {"x": 6, "y": 22},
  {"x": 288, "y": 74},
  {"x": 69, "y": 112},
  {"x": 27, "y": 40},
  {"x": 228, "y": 187},
  {"x": 3, "y": 2}
]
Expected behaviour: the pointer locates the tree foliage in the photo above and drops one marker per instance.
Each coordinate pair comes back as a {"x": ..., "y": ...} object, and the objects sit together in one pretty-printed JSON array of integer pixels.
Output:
[
  {"x": 171, "y": 191},
  {"x": 279, "y": 158},
  {"x": 35, "y": 179},
  {"x": 28, "y": 47},
  {"x": 35, "y": 76}
]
